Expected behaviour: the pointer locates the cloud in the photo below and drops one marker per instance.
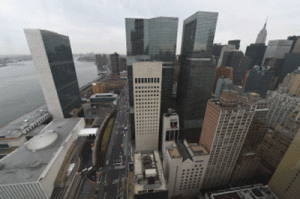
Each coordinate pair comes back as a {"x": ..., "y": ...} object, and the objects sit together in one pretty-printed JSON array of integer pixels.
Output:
[{"x": 99, "y": 26}]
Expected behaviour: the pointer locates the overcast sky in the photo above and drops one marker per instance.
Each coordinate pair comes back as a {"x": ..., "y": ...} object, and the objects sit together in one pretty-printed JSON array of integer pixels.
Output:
[{"x": 99, "y": 25}]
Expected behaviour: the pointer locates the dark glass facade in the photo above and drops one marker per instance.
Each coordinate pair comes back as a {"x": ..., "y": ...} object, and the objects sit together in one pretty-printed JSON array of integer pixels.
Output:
[
  {"x": 197, "y": 73},
  {"x": 259, "y": 80},
  {"x": 198, "y": 33},
  {"x": 155, "y": 37},
  {"x": 291, "y": 63},
  {"x": 194, "y": 90},
  {"x": 256, "y": 52},
  {"x": 62, "y": 67}
]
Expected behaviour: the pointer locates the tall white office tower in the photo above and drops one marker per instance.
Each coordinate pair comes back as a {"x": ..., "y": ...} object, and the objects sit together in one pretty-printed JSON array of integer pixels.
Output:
[
  {"x": 146, "y": 94},
  {"x": 53, "y": 60}
]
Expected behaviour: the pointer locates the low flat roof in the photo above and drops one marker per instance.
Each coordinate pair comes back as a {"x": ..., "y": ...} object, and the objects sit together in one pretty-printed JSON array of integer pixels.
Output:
[
  {"x": 12, "y": 130},
  {"x": 88, "y": 131},
  {"x": 24, "y": 165},
  {"x": 227, "y": 196},
  {"x": 174, "y": 153},
  {"x": 198, "y": 150}
]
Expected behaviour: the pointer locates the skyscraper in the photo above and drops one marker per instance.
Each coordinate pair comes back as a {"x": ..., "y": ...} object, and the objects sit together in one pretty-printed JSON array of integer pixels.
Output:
[
  {"x": 275, "y": 145},
  {"x": 53, "y": 60},
  {"x": 235, "y": 42},
  {"x": 256, "y": 52},
  {"x": 152, "y": 40},
  {"x": 198, "y": 33},
  {"x": 286, "y": 180},
  {"x": 259, "y": 80},
  {"x": 276, "y": 49},
  {"x": 147, "y": 95},
  {"x": 225, "y": 127},
  {"x": 196, "y": 77},
  {"x": 262, "y": 35},
  {"x": 115, "y": 64}
]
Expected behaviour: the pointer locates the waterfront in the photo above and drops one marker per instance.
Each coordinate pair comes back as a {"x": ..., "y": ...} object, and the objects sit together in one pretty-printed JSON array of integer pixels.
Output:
[{"x": 20, "y": 90}]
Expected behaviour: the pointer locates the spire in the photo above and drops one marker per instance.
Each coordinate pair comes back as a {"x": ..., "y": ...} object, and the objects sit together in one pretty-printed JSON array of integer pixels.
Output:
[
  {"x": 262, "y": 35},
  {"x": 266, "y": 23}
]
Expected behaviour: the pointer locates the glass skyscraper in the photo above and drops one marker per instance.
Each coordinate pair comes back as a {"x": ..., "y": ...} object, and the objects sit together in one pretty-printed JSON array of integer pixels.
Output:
[
  {"x": 198, "y": 33},
  {"x": 154, "y": 38},
  {"x": 197, "y": 73},
  {"x": 53, "y": 59}
]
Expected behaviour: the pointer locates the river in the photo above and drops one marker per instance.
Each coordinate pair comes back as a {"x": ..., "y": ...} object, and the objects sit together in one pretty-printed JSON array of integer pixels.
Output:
[{"x": 20, "y": 90}]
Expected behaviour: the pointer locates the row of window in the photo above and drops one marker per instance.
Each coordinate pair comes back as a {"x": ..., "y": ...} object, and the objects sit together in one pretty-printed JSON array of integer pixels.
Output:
[
  {"x": 146, "y": 80},
  {"x": 147, "y": 133},
  {"x": 146, "y": 99},
  {"x": 149, "y": 95},
  {"x": 142, "y": 103},
  {"x": 146, "y": 87},
  {"x": 147, "y": 91}
]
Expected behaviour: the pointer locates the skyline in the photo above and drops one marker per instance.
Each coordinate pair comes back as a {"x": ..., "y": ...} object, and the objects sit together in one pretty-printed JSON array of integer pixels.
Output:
[{"x": 99, "y": 26}]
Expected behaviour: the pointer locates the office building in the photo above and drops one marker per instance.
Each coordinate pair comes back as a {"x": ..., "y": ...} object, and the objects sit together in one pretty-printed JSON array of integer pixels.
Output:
[
  {"x": 151, "y": 39},
  {"x": 195, "y": 81},
  {"x": 274, "y": 145},
  {"x": 147, "y": 99},
  {"x": 52, "y": 56},
  {"x": 223, "y": 84},
  {"x": 235, "y": 42},
  {"x": 280, "y": 106},
  {"x": 294, "y": 39},
  {"x": 114, "y": 63},
  {"x": 184, "y": 167},
  {"x": 149, "y": 178},
  {"x": 170, "y": 128},
  {"x": 31, "y": 170},
  {"x": 101, "y": 61},
  {"x": 194, "y": 89},
  {"x": 225, "y": 127},
  {"x": 259, "y": 80},
  {"x": 259, "y": 125},
  {"x": 256, "y": 52},
  {"x": 262, "y": 35},
  {"x": 238, "y": 62},
  {"x": 198, "y": 33},
  {"x": 285, "y": 182},
  {"x": 223, "y": 71},
  {"x": 276, "y": 49},
  {"x": 245, "y": 167},
  {"x": 216, "y": 52},
  {"x": 122, "y": 64},
  {"x": 225, "y": 48},
  {"x": 297, "y": 46},
  {"x": 247, "y": 192},
  {"x": 291, "y": 83},
  {"x": 291, "y": 63}
]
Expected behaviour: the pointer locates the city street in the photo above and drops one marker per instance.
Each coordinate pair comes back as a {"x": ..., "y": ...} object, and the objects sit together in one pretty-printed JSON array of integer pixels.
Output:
[{"x": 117, "y": 154}]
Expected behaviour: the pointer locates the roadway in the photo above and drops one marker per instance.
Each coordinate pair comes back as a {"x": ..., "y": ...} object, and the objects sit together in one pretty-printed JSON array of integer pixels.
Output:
[{"x": 117, "y": 155}]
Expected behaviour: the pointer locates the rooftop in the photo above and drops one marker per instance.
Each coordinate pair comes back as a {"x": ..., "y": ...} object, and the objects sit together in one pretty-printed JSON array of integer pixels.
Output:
[
  {"x": 24, "y": 124},
  {"x": 186, "y": 150},
  {"x": 248, "y": 192},
  {"x": 29, "y": 162},
  {"x": 148, "y": 173}
]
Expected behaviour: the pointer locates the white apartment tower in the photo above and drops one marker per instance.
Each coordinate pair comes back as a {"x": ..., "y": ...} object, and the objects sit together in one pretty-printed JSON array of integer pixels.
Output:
[
  {"x": 225, "y": 127},
  {"x": 147, "y": 78},
  {"x": 184, "y": 167}
]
